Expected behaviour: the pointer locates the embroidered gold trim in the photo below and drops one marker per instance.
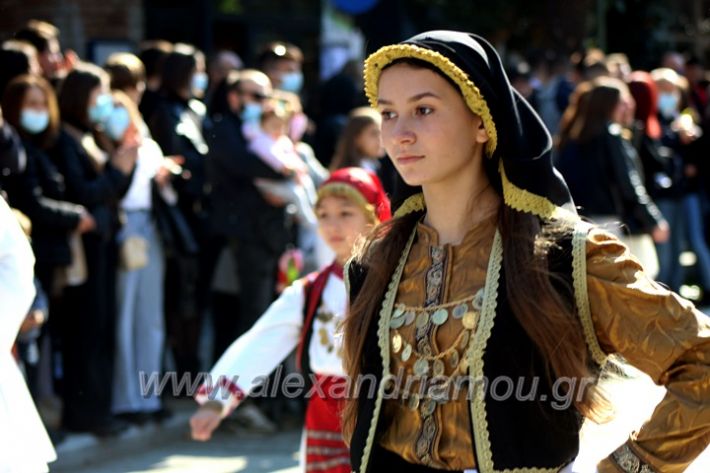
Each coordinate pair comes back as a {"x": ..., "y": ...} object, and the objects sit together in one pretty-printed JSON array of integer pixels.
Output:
[
  {"x": 414, "y": 203},
  {"x": 475, "y": 353},
  {"x": 579, "y": 279},
  {"x": 526, "y": 201},
  {"x": 383, "y": 342},
  {"x": 471, "y": 93}
]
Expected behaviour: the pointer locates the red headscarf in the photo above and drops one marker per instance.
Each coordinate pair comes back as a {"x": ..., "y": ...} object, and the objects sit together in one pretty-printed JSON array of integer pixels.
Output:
[{"x": 361, "y": 186}]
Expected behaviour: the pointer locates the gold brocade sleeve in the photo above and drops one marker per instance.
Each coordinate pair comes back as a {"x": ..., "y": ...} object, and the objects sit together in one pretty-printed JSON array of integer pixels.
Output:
[{"x": 663, "y": 335}]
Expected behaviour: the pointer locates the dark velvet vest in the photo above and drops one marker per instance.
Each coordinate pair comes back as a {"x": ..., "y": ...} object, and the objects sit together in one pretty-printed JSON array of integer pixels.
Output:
[{"x": 522, "y": 432}]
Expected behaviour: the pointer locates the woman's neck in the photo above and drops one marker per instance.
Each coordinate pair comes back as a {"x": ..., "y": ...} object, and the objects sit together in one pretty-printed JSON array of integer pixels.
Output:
[{"x": 455, "y": 206}]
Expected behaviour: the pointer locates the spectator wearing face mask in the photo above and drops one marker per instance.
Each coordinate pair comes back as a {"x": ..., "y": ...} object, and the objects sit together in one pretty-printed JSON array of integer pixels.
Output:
[
  {"x": 682, "y": 207},
  {"x": 283, "y": 63},
  {"x": 97, "y": 179},
  {"x": 140, "y": 328},
  {"x": 38, "y": 191},
  {"x": 252, "y": 223},
  {"x": 177, "y": 126}
]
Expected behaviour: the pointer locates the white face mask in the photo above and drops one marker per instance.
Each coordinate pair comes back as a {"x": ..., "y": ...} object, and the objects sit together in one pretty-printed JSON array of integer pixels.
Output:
[
  {"x": 199, "y": 83},
  {"x": 34, "y": 121},
  {"x": 668, "y": 104},
  {"x": 117, "y": 123},
  {"x": 292, "y": 82}
]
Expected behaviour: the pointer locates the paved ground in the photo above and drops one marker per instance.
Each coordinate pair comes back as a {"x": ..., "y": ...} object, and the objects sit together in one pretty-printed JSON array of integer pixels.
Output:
[{"x": 225, "y": 453}]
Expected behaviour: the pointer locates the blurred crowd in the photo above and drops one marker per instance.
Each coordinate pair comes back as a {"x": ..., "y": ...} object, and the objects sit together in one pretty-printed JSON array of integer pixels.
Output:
[
  {"x": 162, "y": 187},
  {"x": 157, "y": 188},
  {"x": 633, "y": 147}
]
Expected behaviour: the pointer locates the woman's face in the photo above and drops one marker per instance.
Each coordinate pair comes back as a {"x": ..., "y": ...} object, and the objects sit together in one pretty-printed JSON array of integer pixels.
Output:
[
  {"x": 340, "y": 223},
  {"x": 429, "y": 132},
  {"x": 35, "y": 99},
  {"x": 369, "y": 141}
]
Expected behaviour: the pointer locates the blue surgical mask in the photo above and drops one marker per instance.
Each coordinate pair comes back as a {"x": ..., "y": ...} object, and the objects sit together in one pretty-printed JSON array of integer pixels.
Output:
[
  {"x": 117, "y": 123},
  {"x": 34, "y": 121},
  {"x": 251, "y": 112},
  {"x": 101, "y": 110},
  {"x": 668, "y": 104},
  {"x": 199, "y": 82},
  {"x": 292, "y": 82}
]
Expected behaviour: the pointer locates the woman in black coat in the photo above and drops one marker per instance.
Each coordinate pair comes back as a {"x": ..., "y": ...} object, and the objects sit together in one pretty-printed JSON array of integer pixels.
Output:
[
  {"x": 30, "y": 106},
  {"x": 177, "y": 126},
  {"x": 97, "y": 181},
  {"x": 603, "y": 170}
]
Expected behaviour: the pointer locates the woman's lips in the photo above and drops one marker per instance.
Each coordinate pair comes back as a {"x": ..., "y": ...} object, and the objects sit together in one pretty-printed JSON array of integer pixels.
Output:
[{"x": 408, "y": 159}]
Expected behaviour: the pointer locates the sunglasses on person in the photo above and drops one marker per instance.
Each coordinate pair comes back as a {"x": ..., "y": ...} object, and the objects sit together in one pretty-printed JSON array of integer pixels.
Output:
[{"x": 255, "y": 95}]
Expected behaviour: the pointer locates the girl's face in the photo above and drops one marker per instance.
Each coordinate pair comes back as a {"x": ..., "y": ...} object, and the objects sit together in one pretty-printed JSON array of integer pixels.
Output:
[
  {"x": 369, "y": 141},
  {"x": 340, "y": 223},
  {"x": 427, "y": 129},
  {"x": 35, "y": 99}
]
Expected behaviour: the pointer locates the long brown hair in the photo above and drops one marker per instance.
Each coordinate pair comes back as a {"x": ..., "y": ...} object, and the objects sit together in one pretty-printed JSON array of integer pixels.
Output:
[
  {"x": 347, "y": 153},
  {"x": 12, "y": 101},
  {"x": 75, "y": 92},
  {"x": 590, "y": 109},
  {"x": 549, "y": 318}
]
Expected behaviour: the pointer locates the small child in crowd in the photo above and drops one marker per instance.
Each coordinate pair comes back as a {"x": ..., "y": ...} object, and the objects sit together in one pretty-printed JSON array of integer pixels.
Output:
[{"x": 271, "y": 143}]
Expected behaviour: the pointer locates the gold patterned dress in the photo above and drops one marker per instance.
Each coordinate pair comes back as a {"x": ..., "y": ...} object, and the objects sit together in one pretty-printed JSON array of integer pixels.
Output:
[{"x": 436, "y": 314}]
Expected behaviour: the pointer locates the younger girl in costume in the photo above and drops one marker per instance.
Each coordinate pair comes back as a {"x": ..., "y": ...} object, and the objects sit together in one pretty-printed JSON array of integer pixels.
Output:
[{"x": 304, "y": 317}]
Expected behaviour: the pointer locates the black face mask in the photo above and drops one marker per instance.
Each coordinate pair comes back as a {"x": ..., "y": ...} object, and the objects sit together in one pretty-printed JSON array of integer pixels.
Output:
[{"x": 12, "y": 154}]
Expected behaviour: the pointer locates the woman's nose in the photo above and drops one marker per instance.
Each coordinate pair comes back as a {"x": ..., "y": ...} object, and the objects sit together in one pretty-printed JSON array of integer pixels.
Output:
[{"x": 402, "y": 133}]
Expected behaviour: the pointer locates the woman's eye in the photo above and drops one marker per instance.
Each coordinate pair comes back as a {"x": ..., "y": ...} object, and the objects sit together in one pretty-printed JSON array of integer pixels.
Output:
[
  {"x": 424, "y": 110},
  {"x": 345, "y": 214},
  {"x": 387, "y": 115}
]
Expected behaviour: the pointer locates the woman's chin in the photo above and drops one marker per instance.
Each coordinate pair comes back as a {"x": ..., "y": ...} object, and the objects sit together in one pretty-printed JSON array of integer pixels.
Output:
[{"x": 412, "y": 179}]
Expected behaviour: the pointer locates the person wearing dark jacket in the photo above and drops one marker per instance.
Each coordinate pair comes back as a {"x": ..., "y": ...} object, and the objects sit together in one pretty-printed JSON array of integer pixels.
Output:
[
  {"x": 38, "y": 191},
  {"x": 602, "y": 168},
  {"x": 177, "y": 126},
  {"x": 248, "y": 220},
  {"x": 97, "y": 181}
]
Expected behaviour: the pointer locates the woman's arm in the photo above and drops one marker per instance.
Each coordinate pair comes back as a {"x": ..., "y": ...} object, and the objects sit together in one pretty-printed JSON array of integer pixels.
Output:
[
  {"x": 663, "y": 335},
  {"x": 86, "y": 190}
]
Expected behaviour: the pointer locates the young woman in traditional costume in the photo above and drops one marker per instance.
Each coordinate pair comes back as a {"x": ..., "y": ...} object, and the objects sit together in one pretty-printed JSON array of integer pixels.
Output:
[
  {"x": 304, "y": 317},
  {"x": 486, "y": 274}
]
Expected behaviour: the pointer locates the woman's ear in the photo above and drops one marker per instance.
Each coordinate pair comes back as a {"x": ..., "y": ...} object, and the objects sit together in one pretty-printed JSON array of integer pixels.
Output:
[{"x": 481, "y": 133}]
